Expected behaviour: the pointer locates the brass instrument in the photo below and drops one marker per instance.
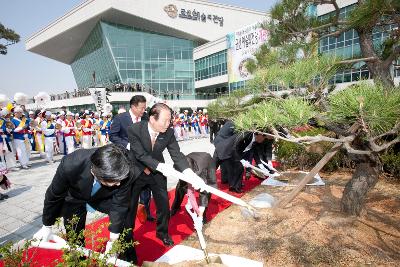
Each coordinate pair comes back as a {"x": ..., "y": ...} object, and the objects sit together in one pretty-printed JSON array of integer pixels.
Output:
[
  {"x": 33, "y": 124},
  {"x": 95, "y": 127},
  {"x": 10, "y": 125},
  {"x": 78, "y": 124}
]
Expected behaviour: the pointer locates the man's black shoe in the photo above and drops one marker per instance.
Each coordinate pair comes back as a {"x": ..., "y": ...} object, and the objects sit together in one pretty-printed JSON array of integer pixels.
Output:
[
  {"x": 239, "y": 191},
  {"x": 166, "y": 240}
]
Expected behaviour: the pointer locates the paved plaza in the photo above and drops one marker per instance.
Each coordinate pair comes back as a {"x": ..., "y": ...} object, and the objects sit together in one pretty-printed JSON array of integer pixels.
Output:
[{"x": 21, "y": 214}]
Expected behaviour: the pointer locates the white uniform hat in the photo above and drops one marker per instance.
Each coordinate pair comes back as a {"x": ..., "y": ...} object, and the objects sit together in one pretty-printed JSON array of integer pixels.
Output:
[
  {"x": 77, "y": 114},
  {"x": 53, "y": 116},
  {"x": 48, "y": 113},
  {"x": 18, "y": 109},
  {"x": 31, "y": 112},
  {"x": 4, "y": 112},
  {"x": 96, "y": 114},
  {"x": 62, "y": 112},
  {"x": 69, "y": 113},
  {"x": 87, "y": 112}
]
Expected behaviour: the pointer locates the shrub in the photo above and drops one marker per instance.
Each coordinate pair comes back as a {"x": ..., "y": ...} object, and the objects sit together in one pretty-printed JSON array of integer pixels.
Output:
[
  {"x": 292, "y": 155},
  {"x": 391, "y": 163}
]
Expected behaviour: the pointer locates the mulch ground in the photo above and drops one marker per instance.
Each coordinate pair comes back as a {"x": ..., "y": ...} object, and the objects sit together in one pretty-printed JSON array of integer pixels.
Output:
[{"x": 311, "y": 230}]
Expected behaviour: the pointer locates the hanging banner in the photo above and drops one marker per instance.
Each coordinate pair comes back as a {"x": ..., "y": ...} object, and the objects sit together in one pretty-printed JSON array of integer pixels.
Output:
[
  {"x": 99, "y": 97},
  {"x": 242, "y": 45}
]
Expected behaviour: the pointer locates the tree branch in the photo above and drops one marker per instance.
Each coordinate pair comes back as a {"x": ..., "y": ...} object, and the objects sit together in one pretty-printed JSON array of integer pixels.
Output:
[
  {"x": 376, "y": 148},
  {"x": 358, "y": 60},
  {"x": 351, "y": 150}
]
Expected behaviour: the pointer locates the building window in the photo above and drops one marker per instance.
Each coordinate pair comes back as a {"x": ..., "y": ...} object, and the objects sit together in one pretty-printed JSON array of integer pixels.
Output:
[{"x": 211, "y": 66}]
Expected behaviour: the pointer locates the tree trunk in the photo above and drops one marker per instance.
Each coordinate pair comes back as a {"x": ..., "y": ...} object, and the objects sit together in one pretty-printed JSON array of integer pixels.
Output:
[
  {"x": 364, "y": 178},
  {"x": 379, "y": 69}
]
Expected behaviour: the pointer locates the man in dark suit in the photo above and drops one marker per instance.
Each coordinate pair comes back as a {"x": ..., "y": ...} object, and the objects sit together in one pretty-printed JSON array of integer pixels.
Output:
[
  {"x": 87, "y": 180},
  {"x": 119, "y": 127},
  {"x": 119, "y": 135},
  {"x": 148, "y": 141},
  {"x": 225, "y": 155},
  {"x": 203, "y": 165}
]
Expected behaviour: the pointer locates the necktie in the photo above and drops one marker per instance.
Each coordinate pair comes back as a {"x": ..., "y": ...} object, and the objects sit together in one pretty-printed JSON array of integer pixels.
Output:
[
  {"x": 96, "y": 187},
  {"x": 153, "y": 139},
  {"x": 137, "y": 119}
]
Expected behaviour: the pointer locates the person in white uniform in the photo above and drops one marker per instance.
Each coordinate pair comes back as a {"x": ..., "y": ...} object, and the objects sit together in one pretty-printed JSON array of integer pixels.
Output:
[{"x": 49, "y": 130}]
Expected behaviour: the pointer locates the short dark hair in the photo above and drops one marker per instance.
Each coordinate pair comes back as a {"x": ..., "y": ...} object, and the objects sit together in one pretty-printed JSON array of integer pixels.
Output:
[
  {"x": 156, "y": 109},
  {"x": 110, "y": 162},
  {"x": 136, "y": 99}
]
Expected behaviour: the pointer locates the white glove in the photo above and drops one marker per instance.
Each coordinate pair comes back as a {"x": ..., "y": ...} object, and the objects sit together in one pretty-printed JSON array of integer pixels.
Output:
[
  {"x": 44, "y": 234},
  {"x": 113, "y": 238},
  {"x": 194, "y": 179},
  {"x": 166, "y": 169},
  {"x": 245, "y": 163},
  {"x": 264, "y": 170}
]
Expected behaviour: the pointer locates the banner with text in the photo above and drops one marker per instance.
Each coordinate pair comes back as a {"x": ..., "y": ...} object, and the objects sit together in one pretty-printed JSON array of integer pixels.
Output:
[
  {"x": 99, "y": 97},
  {"x": 242, "y": 46}
]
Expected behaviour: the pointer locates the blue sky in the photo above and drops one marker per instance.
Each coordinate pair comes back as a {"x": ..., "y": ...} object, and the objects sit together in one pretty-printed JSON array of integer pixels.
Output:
[{"x": 23, "y": 71}]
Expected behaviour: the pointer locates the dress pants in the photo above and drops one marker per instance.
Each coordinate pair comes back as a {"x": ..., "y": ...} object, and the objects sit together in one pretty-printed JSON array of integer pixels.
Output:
[
  {"x": 145, "y": 197},
  {"x": 232, "y": 172},
  {"x": 158, "y": 186}
]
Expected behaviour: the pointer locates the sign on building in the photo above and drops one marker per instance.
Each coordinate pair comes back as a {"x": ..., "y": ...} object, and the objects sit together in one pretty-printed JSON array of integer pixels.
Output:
[{"x": 242, "y": 45}]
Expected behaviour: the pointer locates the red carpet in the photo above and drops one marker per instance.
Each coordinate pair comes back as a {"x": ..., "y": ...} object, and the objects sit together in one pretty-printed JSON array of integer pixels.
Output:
[{"x": 150, "y": 248}]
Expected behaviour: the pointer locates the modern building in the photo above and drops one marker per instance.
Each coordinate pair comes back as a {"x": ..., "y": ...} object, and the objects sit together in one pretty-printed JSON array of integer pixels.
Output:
[
  {"x": 175, "y": 49},
  {"x": 153, "y": 44}
]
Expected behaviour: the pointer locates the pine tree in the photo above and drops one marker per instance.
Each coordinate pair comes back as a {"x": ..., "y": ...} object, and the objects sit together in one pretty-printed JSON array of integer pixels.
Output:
[{"x": 10, "y": 37}]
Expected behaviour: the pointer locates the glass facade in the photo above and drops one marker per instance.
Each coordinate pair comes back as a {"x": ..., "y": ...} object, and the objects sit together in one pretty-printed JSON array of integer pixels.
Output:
[
  {"x": 211, "y": 66},
  {"x": 118, "y": 53},
  {"x": 347, "y": 46}
]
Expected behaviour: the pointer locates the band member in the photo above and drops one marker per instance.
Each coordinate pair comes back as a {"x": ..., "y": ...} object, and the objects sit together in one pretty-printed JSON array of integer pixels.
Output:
[
  {"x": 60, "y": 133},
  {"x": 49, "y": 131},
  {"x": 68, "y": 127},
  {"x": 39, "y": 137},
  {"x": 86, "y": 130},
  {"x": 31, "y": 129},
  {"x": 96, "y": 129},
  {"x": 78, "y": 131},
  {"x": 185, "y": 125},
  {"x": 195, "y": 125},
  {"x": 203, "y": 117},
  {"x": 20, "y": 135},
  {"x": 105, "y": 124},
  {"x": 177, "y": 127},
  {"x": 7, "y": 151}
]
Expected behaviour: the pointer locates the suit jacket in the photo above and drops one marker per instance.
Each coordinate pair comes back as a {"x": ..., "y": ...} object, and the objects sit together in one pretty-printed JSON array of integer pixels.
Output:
[
  {"x": 203, "y": 165},
  {"x": 119, "y": 128},
  {"x": 142, "y": 154},
  {"x": 73, "y": 184},
  {"x": 225, "y": 140},
  {"x": 261, "y": 151}
]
